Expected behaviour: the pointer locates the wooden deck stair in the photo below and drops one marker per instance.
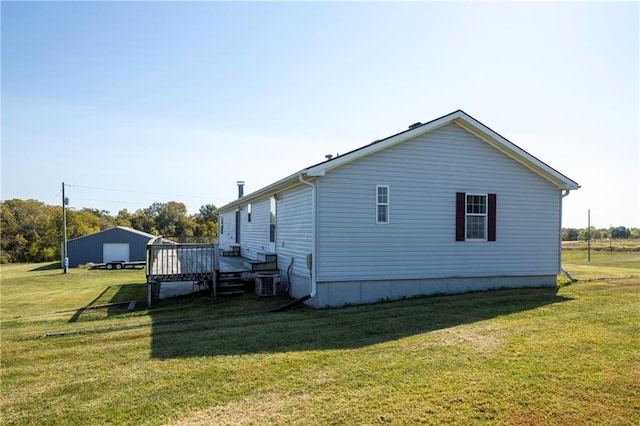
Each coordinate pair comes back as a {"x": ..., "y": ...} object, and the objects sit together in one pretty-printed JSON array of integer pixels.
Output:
[
  {"x": 265, "y": 262},
  {"x": 230, "y": 281},
  {"x": 234, "y": 252},
  {"x": 230, "y": 284}
]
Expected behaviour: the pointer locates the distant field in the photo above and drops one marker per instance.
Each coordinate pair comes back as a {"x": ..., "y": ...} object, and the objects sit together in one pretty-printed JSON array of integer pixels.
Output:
[
  {"x": 606, "y": 245},
  {"x": 561, "y": 356}
]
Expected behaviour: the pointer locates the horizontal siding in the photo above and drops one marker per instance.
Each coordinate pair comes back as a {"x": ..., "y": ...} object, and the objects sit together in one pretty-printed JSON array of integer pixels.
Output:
[
  {"x": 423, "y": 175},
  {"x": 294, "y": 230},
  {"x": 227, "y": 237},
  {"x": 254, "y": 235}
]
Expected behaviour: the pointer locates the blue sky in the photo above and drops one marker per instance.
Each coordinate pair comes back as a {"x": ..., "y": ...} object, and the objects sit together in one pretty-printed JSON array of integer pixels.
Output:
[{"x": 132, "y": 103}]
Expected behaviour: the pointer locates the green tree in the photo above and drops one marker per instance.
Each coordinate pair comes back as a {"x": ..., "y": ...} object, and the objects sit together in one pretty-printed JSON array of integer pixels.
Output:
[
  {"x": 170, "y": 219},
  {"x": 31, "y": 231},
  {"x": 123, "y": 218},
  {"x": 9, "y": 227},
  {"x": 207, "y": 222},
  {"x": 82, "y": 222},
  {"x": 207, "y": 213},
  {"x": 142, "y": 220},
  {"x": 620, "y": 232},
  {"x": 570, "y": 234}
]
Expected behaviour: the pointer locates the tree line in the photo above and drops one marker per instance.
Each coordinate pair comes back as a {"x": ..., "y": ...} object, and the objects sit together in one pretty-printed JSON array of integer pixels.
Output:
[
  {"x": 614, "y": 232},
  {"x": 32, "y": 230}
]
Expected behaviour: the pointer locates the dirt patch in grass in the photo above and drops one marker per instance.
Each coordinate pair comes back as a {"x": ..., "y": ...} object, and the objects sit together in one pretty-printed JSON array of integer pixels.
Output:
[{"x": 256, "y": 409}]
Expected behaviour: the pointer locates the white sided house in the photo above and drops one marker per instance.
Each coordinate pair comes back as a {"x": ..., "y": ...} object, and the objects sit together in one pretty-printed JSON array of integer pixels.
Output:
[{"x": 445, "y": 207}]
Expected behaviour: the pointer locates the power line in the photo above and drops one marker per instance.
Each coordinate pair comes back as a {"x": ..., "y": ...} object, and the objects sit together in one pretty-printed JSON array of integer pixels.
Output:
[
  {"x": 54, "y": 197},
  {"x": 139, "y": 192}
]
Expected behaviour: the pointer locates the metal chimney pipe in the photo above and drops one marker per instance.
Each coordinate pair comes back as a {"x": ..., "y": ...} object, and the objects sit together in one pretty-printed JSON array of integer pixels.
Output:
[{"x": 240, "y": 184}]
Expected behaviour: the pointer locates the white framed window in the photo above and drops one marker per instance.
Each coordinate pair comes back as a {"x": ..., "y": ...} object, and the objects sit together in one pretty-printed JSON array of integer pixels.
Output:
[
  {"x": 221, "y": 224},
  {"x": 476, "y": 217},
  {"x": 382, "y": 204},
  {"x": 249, "y": 212}
]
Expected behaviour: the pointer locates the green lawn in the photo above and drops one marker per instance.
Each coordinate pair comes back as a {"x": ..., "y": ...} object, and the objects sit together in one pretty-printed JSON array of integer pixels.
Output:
[{"x": 530, "y": 356}]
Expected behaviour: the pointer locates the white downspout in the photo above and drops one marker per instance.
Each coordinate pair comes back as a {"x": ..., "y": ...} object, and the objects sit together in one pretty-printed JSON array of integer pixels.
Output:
[
  {"x": 314, "y": 239},
  {"x": 563, "y": 193}
]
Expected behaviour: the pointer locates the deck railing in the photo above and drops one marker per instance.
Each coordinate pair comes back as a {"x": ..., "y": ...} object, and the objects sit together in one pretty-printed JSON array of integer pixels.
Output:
[{"x": 167, "y": 261}]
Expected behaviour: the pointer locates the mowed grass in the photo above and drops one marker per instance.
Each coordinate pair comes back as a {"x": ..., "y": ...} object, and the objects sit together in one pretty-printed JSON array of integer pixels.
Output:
[{"x": 530, "y": 356}]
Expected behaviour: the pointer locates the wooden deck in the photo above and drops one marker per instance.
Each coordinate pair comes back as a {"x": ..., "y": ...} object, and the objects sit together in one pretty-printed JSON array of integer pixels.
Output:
[
  {"x": 180, "y": 262},
  {"x": 231, "y": 264},
  {"x": 202, "y": 264}
]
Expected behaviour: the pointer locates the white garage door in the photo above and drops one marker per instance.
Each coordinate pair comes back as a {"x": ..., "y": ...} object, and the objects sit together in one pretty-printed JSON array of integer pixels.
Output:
[{"x": 113, "y": 251}]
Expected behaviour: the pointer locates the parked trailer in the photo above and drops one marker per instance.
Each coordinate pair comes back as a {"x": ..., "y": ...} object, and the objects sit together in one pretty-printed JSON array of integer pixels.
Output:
[{"x": 116, "y": 264}]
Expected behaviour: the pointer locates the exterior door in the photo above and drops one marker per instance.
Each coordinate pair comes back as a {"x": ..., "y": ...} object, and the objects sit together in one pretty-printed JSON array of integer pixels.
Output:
[
  {"x": 238, "y": 227},
  {"x": 272, "y": 225}
]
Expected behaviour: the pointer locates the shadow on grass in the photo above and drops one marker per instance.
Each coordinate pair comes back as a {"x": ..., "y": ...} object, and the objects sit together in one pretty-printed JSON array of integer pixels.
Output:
[
  {"x": 302, "y": 328},
  {"x": 115, "y": 299},
  {"x": 49, "y": 267}
]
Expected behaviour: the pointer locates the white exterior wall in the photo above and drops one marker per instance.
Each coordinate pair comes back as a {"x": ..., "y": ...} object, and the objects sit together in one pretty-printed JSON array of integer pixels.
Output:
[
  {"x": 227, "y": 238},
  {"x": 254, "y": 235},
  {"x": 424, "y": 175},
  {"x": 294, "y": 236}
]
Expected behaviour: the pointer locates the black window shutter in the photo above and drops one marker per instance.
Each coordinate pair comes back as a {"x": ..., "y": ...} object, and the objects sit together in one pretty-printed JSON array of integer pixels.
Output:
[
  {"x": 491, "y": 220},
  {"x": 460, "y": 215}
]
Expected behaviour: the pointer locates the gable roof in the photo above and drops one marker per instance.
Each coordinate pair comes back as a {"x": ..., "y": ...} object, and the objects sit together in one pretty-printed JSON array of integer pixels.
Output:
[
  {"x": 123, "y": 228},
  {"x": 458, "y": 117}
]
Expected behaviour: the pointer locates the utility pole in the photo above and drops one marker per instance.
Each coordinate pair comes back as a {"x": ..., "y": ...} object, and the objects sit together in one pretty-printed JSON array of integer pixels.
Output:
[
  {"x": 589, "y": 235},
  {"x": 65, "y": 258}
]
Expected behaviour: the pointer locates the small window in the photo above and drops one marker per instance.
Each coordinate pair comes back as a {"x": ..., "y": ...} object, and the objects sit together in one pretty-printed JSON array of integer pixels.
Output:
[
  {"x": 221, "y": 224},
  {"x": 476, "y": 209},
  {"x": 248, "y": 212},
  {"x": 382, "y": 204}
]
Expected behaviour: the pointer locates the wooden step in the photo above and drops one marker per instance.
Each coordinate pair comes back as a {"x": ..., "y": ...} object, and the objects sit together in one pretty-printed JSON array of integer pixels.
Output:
[
  {"x": 230, "y": 292},
  {"x": 230, "y": 289},
  {"x": 256, "y": 265},
  {"x": 267, "y": 257},
  {"x": 234, "y": 252},
  {"x": 230, "y": 284},
  {"x": 237, "y": 275}
]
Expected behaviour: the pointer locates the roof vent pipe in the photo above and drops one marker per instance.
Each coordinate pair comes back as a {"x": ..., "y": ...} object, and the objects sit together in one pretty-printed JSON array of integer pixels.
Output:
[
  {"x": 240, "y": 184},
  {"x": 328, "y": 156}
]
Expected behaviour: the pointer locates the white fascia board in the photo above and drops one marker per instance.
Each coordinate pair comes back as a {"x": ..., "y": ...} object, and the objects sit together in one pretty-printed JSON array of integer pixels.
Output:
[
  {"x": 515, "y": 152},
  {"x": 468, "y": 123},
  {"x": 267, "y": 191}
]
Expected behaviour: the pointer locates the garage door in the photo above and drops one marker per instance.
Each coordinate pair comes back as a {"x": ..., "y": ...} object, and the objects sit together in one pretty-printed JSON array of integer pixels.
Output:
[{"x": 113, "y": 251}]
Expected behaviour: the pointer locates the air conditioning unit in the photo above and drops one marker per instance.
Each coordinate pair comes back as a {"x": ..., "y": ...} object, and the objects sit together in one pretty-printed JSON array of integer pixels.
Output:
[{"x": 267, "y": 283}]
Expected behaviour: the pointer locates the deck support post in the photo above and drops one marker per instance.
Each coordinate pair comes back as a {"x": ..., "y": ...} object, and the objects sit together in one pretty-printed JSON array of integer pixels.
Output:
[{"x": 153, "y": 293}]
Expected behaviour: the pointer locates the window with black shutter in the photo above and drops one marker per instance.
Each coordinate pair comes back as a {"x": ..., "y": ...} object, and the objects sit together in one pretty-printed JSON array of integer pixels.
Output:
[{"x": 475, "y": 216}]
